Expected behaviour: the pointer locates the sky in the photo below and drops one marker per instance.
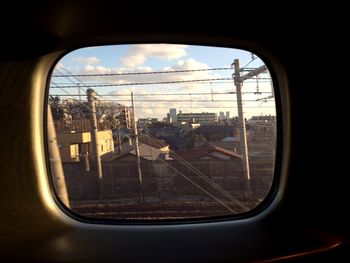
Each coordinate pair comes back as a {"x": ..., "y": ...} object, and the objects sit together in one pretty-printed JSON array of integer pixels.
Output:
[{"x": 155, "y": 100}]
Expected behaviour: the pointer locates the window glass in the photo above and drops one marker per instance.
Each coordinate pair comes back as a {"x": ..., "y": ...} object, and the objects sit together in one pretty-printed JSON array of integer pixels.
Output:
[
  {"x": 161, "y": 131},
  {"x": 74, "y": 152}
]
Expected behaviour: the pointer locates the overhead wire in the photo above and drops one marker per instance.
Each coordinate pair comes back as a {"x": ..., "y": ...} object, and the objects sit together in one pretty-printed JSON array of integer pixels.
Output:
[
  {"x": 201, "y": 175},
  {"x": 142, "y": 73},
  {"x": 181, "y": 100},
  {"x": 145, "y": 83},
  {"x": 154, "y": 100},
  {"x": 168, "y": 94},
  {"x": 197, "y": 185},
  {"x": 267, "y": 80},
  {"x": 253, "y": 58}
]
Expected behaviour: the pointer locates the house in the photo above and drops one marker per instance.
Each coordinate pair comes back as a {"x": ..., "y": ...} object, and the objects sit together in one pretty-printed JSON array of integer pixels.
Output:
[
  {"x": 208, "y": 151},
  {"x": 75, "y": 145},
  {"x": 150, "y": 149}
]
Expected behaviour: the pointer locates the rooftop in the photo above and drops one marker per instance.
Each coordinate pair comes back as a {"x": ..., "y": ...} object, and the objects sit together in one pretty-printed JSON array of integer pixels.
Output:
[{"x": 208, "y": 150}]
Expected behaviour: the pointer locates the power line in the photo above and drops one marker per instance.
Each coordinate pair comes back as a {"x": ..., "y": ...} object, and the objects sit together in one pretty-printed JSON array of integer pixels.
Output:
[
  {"x": 216, "y": 82},
  {"x": 206, "y": 179},
  {"x": 72, "y": 76},
  {"x": 197, "y": 185},
  {"x": 183, "y": 100},
  {"x": 193, "y": 107},
  {"x": 77, "y": 85},
  {"x": 253, "y": 58},
  {"x": 139, "y": 73},
  {"x": 168, "y": 94},
  {"x": 146, "y": 83},
  {"x": 209, "y": 107}
]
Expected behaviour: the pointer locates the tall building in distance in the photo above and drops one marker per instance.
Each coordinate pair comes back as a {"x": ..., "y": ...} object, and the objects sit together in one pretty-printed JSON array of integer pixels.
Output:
[
  {"x": 125, "y": 116},
  {"x": 204, "y": 118},
  {"x": 172, "y": 115},
  {"x": 223, "y": 116}
]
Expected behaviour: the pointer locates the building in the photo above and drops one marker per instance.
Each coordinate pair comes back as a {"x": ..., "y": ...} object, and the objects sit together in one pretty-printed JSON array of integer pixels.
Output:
[
  {"x": 77, "y": 145},
  {"x": 150, "y": 149},
  {"x": 223, "y": 116},
  {"x": 172, "y": 115},
  {"x": 262, "y": 138},
  {"x": 262, "y": 119},
  {"x": 262, "y": 128},
  {"x": 208, "y": 151},
  {"x": 204, "y": 118},
  {"x": 125, "y": 117}
]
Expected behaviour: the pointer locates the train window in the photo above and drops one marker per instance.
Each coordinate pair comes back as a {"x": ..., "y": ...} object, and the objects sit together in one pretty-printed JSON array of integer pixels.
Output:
[{"x": 161, "y": 131}]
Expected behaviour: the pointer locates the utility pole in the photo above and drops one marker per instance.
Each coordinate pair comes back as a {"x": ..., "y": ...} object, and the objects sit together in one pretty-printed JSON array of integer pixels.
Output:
[
  {"x": 94, "y": 131},
  {"x": 241, "y": 122},
  {"x": 119, "y": 137},
  {"x": 55, "y": 161},
  {"x": 238, "y": 80},
  {"x": 137, "y": 150}
]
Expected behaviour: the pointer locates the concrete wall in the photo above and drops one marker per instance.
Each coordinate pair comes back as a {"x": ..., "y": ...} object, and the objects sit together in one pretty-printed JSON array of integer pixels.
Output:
[
  {"x": 65, "y": 140},
  {"x": 68, "y": 140}
]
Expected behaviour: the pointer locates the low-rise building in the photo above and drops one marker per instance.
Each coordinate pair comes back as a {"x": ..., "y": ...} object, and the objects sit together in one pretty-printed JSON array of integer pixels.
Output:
[
  {"x": 208, "y": 151},
  {"x": 76, "y": 145},
  {"x": 204, "y": 118}
]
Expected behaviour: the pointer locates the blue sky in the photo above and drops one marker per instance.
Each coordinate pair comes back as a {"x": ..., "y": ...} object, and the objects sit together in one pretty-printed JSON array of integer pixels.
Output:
[{"x": 160, "y": 57}]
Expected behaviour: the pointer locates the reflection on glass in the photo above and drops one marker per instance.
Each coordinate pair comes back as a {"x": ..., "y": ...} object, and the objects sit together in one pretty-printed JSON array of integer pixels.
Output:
[{"x": 161, "y": 131}]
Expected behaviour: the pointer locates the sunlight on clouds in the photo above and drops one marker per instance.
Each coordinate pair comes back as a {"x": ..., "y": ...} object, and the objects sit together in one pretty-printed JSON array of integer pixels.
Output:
[
  {"x": 87, "y": 60},
  {"x": 138, "y": 59},
  {"x": 179, "y": 65},
  {"x": 138, "y": 54},
  {"x": 89, "y": 69},
  {"x": 134, "y": 60},
  {"x": 189, "y": 64},
  {"x": 102, "y": 70},
  {"x": 59, "y": 66}
]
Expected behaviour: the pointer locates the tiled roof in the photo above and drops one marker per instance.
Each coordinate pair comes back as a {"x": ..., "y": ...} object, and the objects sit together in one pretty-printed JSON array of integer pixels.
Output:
[
  {"x": 152, "y": 141},
  {"x": 205, "y": 150}
]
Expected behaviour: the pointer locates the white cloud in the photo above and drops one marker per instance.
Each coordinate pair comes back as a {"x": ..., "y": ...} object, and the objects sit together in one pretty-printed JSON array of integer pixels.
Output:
[
  {"x": 102, "y": 70},
  {"x": 59, "y": 66},
  {"x": 161, "y": 106},
  {"x": 138, "y": 54},
  {"x": 89, "y": 69},
  {"x": 158, "y": 104},
  {"x": 178, "y": 66},
  {"x": 87, "y": 60}
]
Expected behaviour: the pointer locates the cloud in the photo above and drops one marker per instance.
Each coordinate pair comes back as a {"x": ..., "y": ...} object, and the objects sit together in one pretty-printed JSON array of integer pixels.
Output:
[
  {"x": 188, "y": 102},
  {"x": 59, "y": 66},
  {"x": 96, "y": 70},
  {"x": 161, "y": 105},
  {"x": 87, "y": 60},
  {"x": 138, "y": 54},
  {"x": 188, "y": 64}
]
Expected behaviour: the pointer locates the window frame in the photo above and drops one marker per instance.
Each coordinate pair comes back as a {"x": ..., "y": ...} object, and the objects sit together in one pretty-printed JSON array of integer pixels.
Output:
[{"x": 274, "y": 196}]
